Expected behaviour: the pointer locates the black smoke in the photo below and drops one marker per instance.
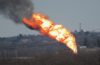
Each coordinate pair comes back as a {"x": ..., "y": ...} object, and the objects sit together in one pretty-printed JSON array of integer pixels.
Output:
[{"x": 16, "y": 9}]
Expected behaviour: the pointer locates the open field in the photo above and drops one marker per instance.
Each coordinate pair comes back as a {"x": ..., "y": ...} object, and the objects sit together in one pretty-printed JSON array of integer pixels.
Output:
[{"x": 84, "y": 57}]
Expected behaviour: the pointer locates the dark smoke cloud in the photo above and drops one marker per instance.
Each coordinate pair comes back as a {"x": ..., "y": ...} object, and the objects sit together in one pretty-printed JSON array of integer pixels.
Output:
[{"x": 16, "y": 9}]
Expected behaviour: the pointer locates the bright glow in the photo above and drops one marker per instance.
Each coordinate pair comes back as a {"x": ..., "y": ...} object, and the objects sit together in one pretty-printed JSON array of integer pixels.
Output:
[{"x": 48, "y": 28}]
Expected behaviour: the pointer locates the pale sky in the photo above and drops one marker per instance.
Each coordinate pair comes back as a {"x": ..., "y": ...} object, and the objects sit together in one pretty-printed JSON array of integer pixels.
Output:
[{"x": 66, "y": 12}]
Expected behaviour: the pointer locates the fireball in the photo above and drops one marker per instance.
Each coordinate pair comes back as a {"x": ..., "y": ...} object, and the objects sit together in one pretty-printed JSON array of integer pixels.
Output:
[{"x": 47, "y": 27}]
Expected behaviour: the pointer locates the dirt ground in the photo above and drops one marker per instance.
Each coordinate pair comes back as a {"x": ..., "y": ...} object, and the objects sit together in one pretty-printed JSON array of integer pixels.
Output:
[{"x": 85, "y": 56}]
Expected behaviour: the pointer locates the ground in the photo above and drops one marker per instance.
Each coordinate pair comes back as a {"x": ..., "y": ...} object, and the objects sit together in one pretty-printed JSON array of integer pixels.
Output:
[{"x": 85, "y": 56}]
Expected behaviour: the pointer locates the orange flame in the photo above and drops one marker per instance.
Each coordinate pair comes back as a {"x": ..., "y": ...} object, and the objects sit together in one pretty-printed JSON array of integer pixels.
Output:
[{"x": 47, "y": 27}]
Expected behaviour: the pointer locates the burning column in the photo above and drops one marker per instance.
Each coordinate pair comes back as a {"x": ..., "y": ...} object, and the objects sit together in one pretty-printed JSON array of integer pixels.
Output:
[{"x": 46, "y": 27}]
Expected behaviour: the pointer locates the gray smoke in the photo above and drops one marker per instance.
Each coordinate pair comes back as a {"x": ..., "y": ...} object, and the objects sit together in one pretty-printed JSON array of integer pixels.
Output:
[{"x": 16, "y": 9}]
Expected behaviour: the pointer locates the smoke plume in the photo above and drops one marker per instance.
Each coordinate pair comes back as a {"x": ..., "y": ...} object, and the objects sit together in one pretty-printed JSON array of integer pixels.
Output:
[{"x": 16, "y": 9}]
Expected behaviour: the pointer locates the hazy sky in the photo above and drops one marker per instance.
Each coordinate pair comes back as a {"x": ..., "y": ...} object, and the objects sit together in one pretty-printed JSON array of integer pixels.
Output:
[{"x": 66, "y": 12}]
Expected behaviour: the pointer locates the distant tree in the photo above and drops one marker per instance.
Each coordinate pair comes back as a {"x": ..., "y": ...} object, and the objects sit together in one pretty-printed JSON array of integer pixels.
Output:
[
  {"x": 20, "y": 35},
  {"x": 85, "y": 42},
  {"x": 87, "y": 33},
  {"x": 98, "y": 42}
]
